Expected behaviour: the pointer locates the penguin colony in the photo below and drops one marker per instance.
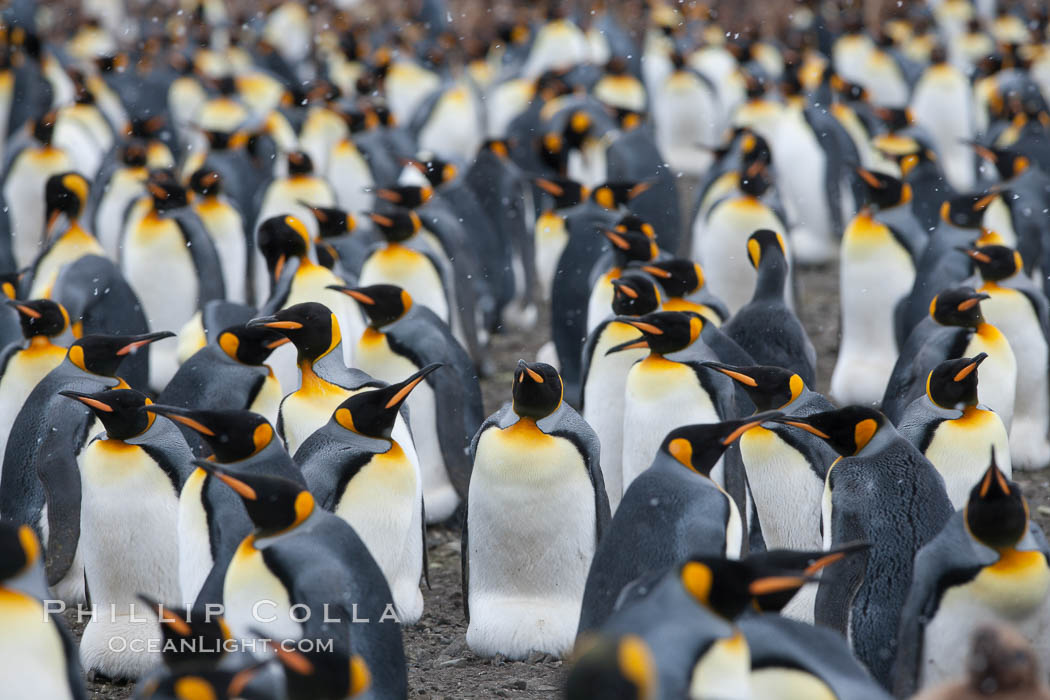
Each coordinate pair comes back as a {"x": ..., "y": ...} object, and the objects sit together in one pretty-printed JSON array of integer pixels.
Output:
[{"x": 253, "y": 259}]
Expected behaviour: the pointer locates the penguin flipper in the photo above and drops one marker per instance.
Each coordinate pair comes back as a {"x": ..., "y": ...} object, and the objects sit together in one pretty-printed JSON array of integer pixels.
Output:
[
  {"x": 464, "y": 564},
  {"x": 569, "y": 425},
  {"x": 426, "y": 556},
  {"x": 211, "y": 285},
  {"x": 843, "y": 579},
  {"x": 60, "y": 477}
]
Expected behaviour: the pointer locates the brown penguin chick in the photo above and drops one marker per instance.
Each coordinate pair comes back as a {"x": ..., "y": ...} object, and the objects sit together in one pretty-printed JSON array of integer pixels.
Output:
[{"x": 1002, "y": 666}]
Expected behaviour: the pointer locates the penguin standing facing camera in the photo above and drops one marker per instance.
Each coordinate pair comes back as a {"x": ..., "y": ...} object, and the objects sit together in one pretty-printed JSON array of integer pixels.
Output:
[
  {"x": 132, "y": 473},
  {"x": 64, "y": 194},
  {"x": 766, "y": 327},
  {"x": 37, "y": 653},
  {"x": 537, "y": 481},
  {"x": 988, "y": 565},
  {"x": 356, "y": 469},
  {"x": 956, "y": 443}
]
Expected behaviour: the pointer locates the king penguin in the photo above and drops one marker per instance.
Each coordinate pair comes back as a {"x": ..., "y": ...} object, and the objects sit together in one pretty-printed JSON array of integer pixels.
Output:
[
  {"x": 356, "y": 469},
  {"x": 536, "y": 482},
  {"x": 952, "y": 430},
  {"x": 131, "y": 473},
  {"x": 402, "y": 338},
  {"x": 225, "y": 225},
  {"x": 682, "y": 282},
  {"x": 64, "y": 194},
  {"x": 988, "y": 565}
]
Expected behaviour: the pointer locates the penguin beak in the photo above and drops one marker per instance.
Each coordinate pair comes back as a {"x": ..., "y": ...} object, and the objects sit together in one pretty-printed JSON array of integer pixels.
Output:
[
  {"x": 975, "y": 254},
  {"x": 626, "y": 288},
  {"x": 753, "y": 423},
  {"x": 274, "y": 344},
  {"x": 389, "y": 195},
  {"x": 524, "y": 369},
  {"x": 733, "y": 374},
  {"x": 801, "y": 424},
  {"x": 183, "y": 416},
  {"x": 274, "y": 323},
  {"x": 617, "y": 240},
  {"x": 23, "y": 308},
  {"x": 968, "y": 369},
  {"x": 140, "y": 341},
  {"x": 776, "y": 584},
  {"x": 353, "y": 294},
  {"x": 166, "y": 617},
  {"x": 384, "y": 221},
  {"x": 51, "y": 220},
  {"x": 242, "y": 489},
  {"x": 835, "y": 556},
  {"x": 88, "y": 400},
  {"x": 643, "y": 326},
  {"x": 405, "y": 388},
  {"x": 973, "y": 301},
  {"x": 869, "y": 178},
  {"x": 639, "y": 344},
  {"x": 279, "y": 266},
  {"x": 656, "y": 271}
]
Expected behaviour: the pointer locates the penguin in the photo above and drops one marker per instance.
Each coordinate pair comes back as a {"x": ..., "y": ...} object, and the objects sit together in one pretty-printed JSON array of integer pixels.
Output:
[
  {"x": 672, "y": 511},
  {"x": 667, "y": 389},
  {"x": 41, "y": 478},
  {"x": 956, "y": 328},
  {"x": 561, "y": 510},
  {"x": 39, "y": 654},
  {"x": 988, "y": 565},
  {"x": 943, "y": 105},
  {"x": 65, "y": 193},
  {"x": 882, "y": 491},
  {"x": 324, "y": 673},
  {"x": 220, "y": 684},
  {"x": 206, "y": 324},
  {"x": 225, "y": 225},
  {"x": 356, "y": 470},
  {"x": 22, "y": 366},
  {"x": 298, "y": 554},
  {"x": 631, "y": 242},
  {"x": 685, "y": 92},
  {"x": 876, "y": 271},
  {"x": 766, "y": 327},
  {"x": 606, "y": 667},
  {"x": 131, "y": 473},
  {"x": 402, "y": 338},
  {"x": 682, "y": 282},
  {"x": 450, "y": 121},
  {"x": 233, "y": 370},
  {"x": 550, "y": 234},
  {"x": 171, "y": 263},
  {"x": 211, "y": 518},
  {"x": 125, "y": 184},
  {"x": 604, "y": 376},
  {"x": 191, "y": 638},
  {"x": 1017, "y": 307}
]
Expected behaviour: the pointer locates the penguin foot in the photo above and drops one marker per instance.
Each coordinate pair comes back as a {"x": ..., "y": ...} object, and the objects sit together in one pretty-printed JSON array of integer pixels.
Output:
[
  {"x": 119, "y": 647},
  {"x": 519, "y": 627}
]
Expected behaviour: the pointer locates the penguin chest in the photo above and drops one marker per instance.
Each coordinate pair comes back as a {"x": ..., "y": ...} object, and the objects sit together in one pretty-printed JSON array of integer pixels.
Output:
[
  {"x": 723, "y": 670},
  {"x": 255, "y": 597},
  {"x": 267, "y": 402},
  {"x": 122, "y": 484},
  {"x": 194, "y": 536},
  {"x": 531, "y": 516},
  {"x": 600, "y": 303},
  {"x": 998, "y": 373},
  {"x": 73, "y": 245},
  {"x": 789, "y": 684},
  {"x": 349, "y": 174},
  {"x": 786, "y": 489},
  {"x": 959, "y": 450},
  {"x": 551, "y": 239},
  {"x": 34, "y": 660},
  {"x": 160, "y": 268},
  {"x": 226, "y": 230},
  {"x": 997, "y": 218},
  {"x": 410, "y": 270},
  {"x": 24, "y": 370},
  {"x": 306, "y": 410},
  {"x": 1012, "y": 313},
  {"x": 723, "y": 248}
]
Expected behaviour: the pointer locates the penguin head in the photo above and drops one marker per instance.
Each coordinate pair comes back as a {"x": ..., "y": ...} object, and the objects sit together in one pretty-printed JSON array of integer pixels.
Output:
[
  {"x": 190, "y": 637},
  {"x": 848, "y": 430},
  {"x": 274, "y": 504},
  {"x": 883, "y": 191},
  {"x": 612, "y": 668},
  {"x": 299, "y": 164},
  {"x": 662, "y": 331},
  {"x": 397, "y": 225},
  {"x": 372, "y": 412},
  {"x": 537, "y": 391},
  {"x": 765, "y": 244},
  {"x": 407, "y": 196},
  {"x": 43, "y": 129},
  {"x": 768, "y": 387},
  {"x": 967, "y": 210},
  {"x": 995, "y": 262},
  {"x": 753, "y": 148},
  {"x": 122, "y": 411},
  {"x": 332, "y": 221},
  {"x": 198, "y": 683},
  {"x": 699, "y": 447},
  {"x": 577, "y": 128},
  {"x": 895, "y": 118},
  {"x": 553, "y": 152},
  {"x": 134, "y": 154},
  {"x": 729, "y": 587},
  {"x": 281, "y": 238},
  {"x": 996, "y": 513},
  {"x": 566, "y": 193},
  {"x": 382, "y": 303},
  {"x": 166, "y": 192},
  {"x": 65, "y": 193},
  {"x": 19, "y": 549},
  {"x": 322, "y": 673},
  {"x": 206, "y": 182},
  {"x": 628, "y": 119},
  {"x": 755, "y": 179},
  {"x": 40, "y": 317},
  {"x": 250, "y": 345},
  {"x": 953, "y": 383},
  {"x": 312, "y": 327},
  {"x": 634, "y": 295},
  {"x": 629, "y": 246},
  {"x": 102, "y": 354},
  {"x": 613, "y": 195},
  {"x": 232, "y": 434},
  {"x": 678, "y": 277},
  {"x": 1008, "y": 162},
  {"x": 959, "y": 306},
  {"x": 436, "y": 171}
]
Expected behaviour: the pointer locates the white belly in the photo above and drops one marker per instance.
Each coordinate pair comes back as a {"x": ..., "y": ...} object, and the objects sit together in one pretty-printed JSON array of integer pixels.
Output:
[
  {"x": 351, "y": 178},
  {"x": 23, "y": 192},
  {"x": 960, "y": 450},
  {"x": 533, "y": 492},
  {"x": 723, "y": 671},
  {"x": 600, "y": 303},
  {"x": 412, "y": 272},
  {"x": 195, "y": 556},
  {"x": 32, "y": 660},
  {"x": 941, "y": 103},
  {"x": 24, "y": 370},
  {"x": 256, "y": 599},
  {"x": 789, "y": 684},
  {"x": 998, "y": 374},
  {"x": 997, "y": 218},
  {"x": 226, "y": 229},
  {"x": 453, "y": 130},
  {"x": 304, "y": 413},
  {"x": 801, "y": 168},
  {"x": 267, "y": 402},
  {"x": 551, "y": 239}
]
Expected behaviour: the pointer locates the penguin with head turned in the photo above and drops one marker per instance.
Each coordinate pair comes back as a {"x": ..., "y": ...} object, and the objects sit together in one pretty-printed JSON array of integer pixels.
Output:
[
  {"x": 41, "y": 477},
  {"x": 766, "y": 327},
  {"x": 130, "y": 473},
  {"x": 536, "y": 479},
  {"x": 682, "y": 282},
  {"x": 402, "y": 338},
  {"x": 632, "y": 241},
  {"x": 39, "y": 653},
  {"x": 953, "y": 430},
  {"x": 356, "y": 469},
  {"x": 671, "y": 510},
  {"x": 988, "y": 565},
  {"x": 604, "y": 376},
  {"x": 299, "y": 554},
  {"x": 882, "y": 491}
]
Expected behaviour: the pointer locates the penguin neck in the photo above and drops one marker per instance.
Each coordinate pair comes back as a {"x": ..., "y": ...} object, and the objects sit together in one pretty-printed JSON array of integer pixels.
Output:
[
  {"x": 772, "y": 277},
  {"x": 311, "y": 382},
  {"x": 39, "y": 343}
]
